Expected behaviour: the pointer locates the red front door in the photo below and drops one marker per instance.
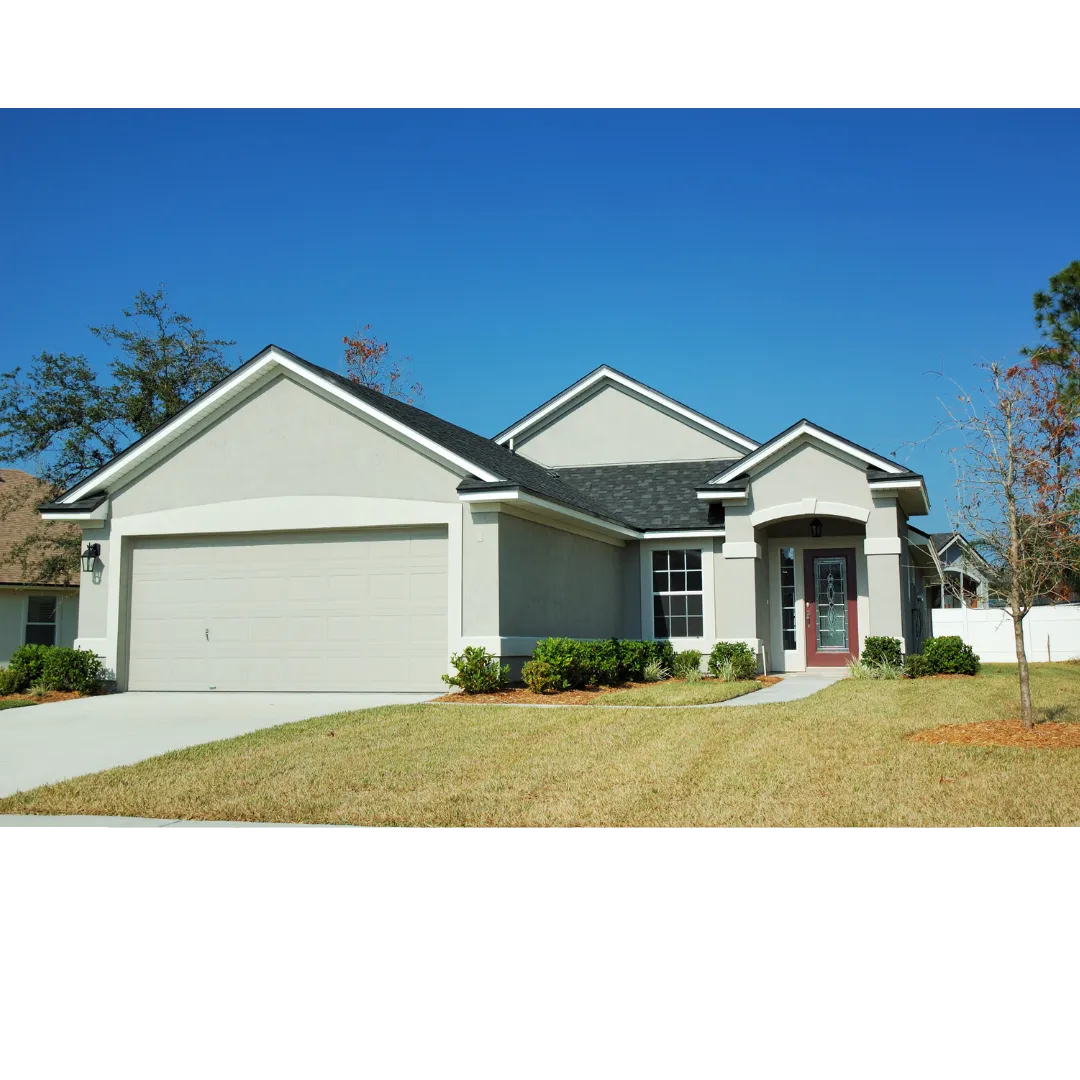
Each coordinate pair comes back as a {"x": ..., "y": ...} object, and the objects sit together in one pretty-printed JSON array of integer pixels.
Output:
[{"x": 832, "y": 617}]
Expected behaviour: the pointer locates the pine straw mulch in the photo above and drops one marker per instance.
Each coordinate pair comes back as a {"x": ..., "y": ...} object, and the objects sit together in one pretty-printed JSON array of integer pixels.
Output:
[
  {"x": 1048, "y": 735},
  {"x": 43, "y": 699},
  {"x": 521, "y": 695}
]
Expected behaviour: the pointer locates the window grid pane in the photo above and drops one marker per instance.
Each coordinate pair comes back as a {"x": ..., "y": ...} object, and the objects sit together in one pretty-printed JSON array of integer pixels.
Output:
[{"x": 677, "y": 594}]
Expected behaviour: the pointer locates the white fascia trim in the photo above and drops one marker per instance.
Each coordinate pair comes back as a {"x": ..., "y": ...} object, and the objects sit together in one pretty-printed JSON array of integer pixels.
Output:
[
  {"x": 525, "y": 499},
  {"x": 630, "y": 384},
  {"x": 893, "y": 485},
  {"x": 723, "y": 496},
  {"x": 681, "y": 534},
  {"x": 769, "y": 450},
  {"x": 95, "y": 520},
  {"x": 228, "y": 388}
]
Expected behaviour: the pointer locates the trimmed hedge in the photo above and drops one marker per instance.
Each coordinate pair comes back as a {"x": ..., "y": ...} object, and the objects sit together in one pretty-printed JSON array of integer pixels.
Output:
[
  {"x": 560, "y": 663},
  {"x": 951, "y": 655},
  {"x": 736, "y": 653},
  {"x": 686, "y": 663},
  {"x": 52, "y": 667},
  {"x": 882, "y": 651}
]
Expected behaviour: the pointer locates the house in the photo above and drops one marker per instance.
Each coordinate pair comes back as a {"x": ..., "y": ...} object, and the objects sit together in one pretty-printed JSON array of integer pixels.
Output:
[
  {"x": 964, "y": 578},
  {"x": 31, "y": 611},
  {"x": 291, "y": 530}
]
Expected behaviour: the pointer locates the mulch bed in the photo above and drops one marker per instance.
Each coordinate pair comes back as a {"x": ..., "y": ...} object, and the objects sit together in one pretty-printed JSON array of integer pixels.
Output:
[
  {"x": 520, "y": 695},
  {"x": 1045, "y": 736},
  {"x": 43, "y": 699}
]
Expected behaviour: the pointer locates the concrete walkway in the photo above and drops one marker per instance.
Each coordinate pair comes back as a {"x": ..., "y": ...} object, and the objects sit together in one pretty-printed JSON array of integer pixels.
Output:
[{"x": 41, "y": 744}]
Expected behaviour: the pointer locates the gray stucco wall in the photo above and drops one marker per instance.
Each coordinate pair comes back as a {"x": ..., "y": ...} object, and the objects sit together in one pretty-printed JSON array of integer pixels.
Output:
[
  {"x": 286, "y": 440},
  {"x": 558, "y": 583},
  {"x": 480, "y": 543},
  {"x": 808, "y": 471},
  {"x": 614, "y": 426}
]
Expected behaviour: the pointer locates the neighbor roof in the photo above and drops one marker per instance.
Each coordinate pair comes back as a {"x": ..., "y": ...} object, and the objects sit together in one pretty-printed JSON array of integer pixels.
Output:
[
  {"x": 651, "y": 495},
  {"x": 19, "y": 495}
]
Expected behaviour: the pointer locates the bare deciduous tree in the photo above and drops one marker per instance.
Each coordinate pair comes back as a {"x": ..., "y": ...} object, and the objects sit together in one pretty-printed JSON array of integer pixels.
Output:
[{"x": 1015, "y": 451}]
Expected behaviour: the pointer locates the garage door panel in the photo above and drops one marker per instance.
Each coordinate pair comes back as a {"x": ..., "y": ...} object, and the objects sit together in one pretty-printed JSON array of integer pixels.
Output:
[{"x": 364, "y": 610}]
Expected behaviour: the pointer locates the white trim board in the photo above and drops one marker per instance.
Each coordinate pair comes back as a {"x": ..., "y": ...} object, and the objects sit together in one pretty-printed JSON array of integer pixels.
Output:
[
  {"x": 233, "y": 385},
  {"x": 605, "y": 373},
  {"x": 805, "y": 428}
]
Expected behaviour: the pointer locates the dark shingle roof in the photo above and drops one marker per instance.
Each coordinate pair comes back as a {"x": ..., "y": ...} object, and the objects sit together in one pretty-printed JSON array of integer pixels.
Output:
[{"x": 652, "y": 495}]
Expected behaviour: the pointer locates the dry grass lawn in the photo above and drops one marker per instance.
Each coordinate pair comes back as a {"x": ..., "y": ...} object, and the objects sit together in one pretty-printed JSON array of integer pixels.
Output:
[{"x": 837, "y": 758}]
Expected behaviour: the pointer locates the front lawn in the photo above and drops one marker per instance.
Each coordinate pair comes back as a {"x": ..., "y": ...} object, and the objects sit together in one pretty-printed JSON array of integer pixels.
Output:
[
  {"x": 839, "y": 757},
  {"x": 668, "y": 692}
]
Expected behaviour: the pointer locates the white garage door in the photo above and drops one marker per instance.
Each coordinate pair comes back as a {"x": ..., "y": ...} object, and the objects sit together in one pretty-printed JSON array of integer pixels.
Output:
[{"x": 359, "y": 610}]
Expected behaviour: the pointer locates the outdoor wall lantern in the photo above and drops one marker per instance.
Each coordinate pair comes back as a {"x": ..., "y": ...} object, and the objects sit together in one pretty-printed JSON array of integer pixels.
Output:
[
  {"x": 89, "y": 557},
  {"x": 815, "y": 528}
]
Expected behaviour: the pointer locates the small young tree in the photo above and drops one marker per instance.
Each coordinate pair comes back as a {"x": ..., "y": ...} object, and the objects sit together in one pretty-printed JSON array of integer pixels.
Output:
[
  {"x": 368, "y": 363},
  {"x": 59, "y": 415},
  {"x": 1015, "y": 454}
]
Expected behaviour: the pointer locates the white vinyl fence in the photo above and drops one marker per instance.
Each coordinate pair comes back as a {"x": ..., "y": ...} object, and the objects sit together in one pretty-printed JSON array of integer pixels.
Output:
[{"x": 1050, "y": 633}]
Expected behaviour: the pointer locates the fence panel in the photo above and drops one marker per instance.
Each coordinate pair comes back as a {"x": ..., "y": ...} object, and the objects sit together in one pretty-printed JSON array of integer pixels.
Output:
[{"x": 1050, "y": 633}]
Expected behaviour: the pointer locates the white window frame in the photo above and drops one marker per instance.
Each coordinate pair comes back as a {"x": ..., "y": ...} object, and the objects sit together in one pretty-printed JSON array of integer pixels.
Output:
[
  {"x": 708, "y": 590},
  {"x": 56, "y": 614}
]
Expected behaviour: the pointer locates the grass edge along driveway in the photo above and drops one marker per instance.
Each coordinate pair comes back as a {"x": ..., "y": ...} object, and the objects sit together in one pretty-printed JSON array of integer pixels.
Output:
[{"x": 838, "y": 758}]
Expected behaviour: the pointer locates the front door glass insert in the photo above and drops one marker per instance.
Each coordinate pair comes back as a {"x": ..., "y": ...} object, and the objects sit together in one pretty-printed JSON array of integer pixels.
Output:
[{"x": 830, "y": 603}]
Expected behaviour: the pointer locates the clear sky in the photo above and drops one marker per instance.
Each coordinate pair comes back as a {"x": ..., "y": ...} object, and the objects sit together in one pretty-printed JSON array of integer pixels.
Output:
[{"x": 759, "y": 266}]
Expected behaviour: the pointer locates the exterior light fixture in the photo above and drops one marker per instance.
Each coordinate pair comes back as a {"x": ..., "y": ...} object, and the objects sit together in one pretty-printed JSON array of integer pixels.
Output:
[
  {"x": 815, "y": 528},
  {"x": 89, "y": 557}
]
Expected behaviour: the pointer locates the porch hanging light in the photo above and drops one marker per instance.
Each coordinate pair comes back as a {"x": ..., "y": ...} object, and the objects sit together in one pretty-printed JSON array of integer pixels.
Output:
[
  {"x": 89, "y": 556},
  {"x": 815, "y": 528}
]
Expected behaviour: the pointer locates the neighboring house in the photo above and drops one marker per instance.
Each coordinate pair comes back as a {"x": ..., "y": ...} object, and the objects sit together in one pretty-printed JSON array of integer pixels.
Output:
[
  {"x": 965, "y": 574},
  {"x": 290, "y": 530},
  {"x": 35, "y": 612}
]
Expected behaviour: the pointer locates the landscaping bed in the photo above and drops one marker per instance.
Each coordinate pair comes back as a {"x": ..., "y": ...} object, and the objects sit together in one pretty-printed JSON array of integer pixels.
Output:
[
  {"x": 667, "y": 692},
  {"x": 13, "y": 701},
  {"x": 1048, "y": 735}
]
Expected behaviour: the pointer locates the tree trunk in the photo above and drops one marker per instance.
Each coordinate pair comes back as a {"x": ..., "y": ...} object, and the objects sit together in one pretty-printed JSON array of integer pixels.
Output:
[{"x": 1027, "y": 717}]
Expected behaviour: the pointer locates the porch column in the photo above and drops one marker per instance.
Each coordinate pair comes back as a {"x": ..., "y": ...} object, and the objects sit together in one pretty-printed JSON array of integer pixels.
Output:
[
  {"x": 883, "y": 547},
  {"x": 739, "y": 581}
]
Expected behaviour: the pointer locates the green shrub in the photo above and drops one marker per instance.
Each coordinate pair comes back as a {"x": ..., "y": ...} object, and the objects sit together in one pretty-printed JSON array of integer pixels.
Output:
[
  {"x": 27, "y": 664},
  {"x": 950, "y": 655},
  {"x": 916, "y": 666},
  {"x": 77, "y": 670},
  {"x": 540, "y": 677},
  {"x": 598, "y": 662},
  {"x": 882, "y": 650},
  {"x": 743, "y": 663},
  {"x": 686, "y": 664},
  {"x": 9, "y": 681},
  {"x": 478, "y": 671},
  {"x": 563, "y": 658}
]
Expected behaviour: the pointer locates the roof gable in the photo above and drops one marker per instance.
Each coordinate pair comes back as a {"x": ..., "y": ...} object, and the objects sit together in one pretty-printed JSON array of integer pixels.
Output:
[
  {"x": 804, "y": 429},
  {"x": 602, "y": 376}
]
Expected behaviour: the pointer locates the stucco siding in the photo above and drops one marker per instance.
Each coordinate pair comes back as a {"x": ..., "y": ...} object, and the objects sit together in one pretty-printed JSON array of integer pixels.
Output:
[
  {"x": 614, "y": 426},
  {"x": 808, "y": 471},
  {"x": 286, "y": 439},
  {"x": 558, "y": 583},
  {"x": 480, "y": 572}
]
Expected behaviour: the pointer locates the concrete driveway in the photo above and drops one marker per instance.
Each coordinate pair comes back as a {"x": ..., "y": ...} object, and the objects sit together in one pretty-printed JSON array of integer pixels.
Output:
[{"x": 41, "y": 744}]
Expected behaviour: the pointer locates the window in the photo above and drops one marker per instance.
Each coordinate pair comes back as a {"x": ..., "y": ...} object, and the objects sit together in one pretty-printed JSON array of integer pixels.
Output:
[
  {"x": 41, "y": 620},
  {"x": 677, "y": 610},
  {"x": 787, "y": 597}
]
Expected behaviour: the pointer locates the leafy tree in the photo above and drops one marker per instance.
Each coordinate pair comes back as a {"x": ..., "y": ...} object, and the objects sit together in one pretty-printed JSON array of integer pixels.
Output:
[
  {"x": 1057, "y": 315},
  {"x": 368, "y": 363},
  {"x": 59, "y": 415},
  {"x": 1016, "y": 452}
]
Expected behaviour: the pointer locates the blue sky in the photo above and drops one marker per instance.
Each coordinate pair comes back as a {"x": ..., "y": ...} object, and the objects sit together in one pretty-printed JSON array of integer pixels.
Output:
[{"x": 760, "y": 266}]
